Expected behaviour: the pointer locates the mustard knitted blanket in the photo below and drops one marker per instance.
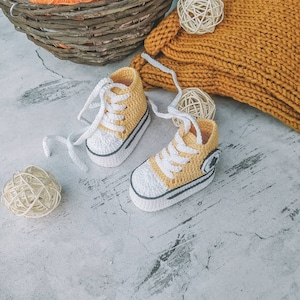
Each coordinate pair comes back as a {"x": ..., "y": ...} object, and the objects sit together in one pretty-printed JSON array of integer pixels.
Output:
[{"x": 253, "y": 56}]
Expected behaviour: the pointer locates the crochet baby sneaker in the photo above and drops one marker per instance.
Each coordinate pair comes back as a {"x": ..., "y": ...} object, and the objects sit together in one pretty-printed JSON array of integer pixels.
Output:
[
  {"x": 122, "y": 118},
  {"x": 184, "y": 167}
]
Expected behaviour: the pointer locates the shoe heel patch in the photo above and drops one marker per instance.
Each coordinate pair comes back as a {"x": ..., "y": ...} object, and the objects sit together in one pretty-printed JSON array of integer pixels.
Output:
[{"x": 210, "y": 161}]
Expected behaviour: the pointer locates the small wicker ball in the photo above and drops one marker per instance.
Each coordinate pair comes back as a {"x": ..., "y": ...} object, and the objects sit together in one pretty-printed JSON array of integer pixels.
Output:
[
  {"x": 197, "y": 103},
  {"x": 32, "y": 193},
  {"x": 200, "y": 16}
]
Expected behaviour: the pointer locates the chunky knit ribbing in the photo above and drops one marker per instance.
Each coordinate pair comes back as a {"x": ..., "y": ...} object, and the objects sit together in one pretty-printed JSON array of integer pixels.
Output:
[{"x": 253, "y": 56}]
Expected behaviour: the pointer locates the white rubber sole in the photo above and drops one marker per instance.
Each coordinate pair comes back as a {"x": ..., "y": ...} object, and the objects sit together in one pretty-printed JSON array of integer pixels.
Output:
[
  {"x": 170, "y": 197},
  {"x": 117, "y": 157}
]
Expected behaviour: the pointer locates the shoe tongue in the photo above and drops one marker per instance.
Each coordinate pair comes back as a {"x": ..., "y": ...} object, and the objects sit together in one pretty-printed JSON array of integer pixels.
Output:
[
  {"x": 189, "y": 137},
  {"x": 117, "y": 90}
]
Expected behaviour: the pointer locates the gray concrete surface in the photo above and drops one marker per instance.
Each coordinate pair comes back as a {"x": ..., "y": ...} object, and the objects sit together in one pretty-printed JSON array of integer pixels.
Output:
[{"x": 237, "y": 239}]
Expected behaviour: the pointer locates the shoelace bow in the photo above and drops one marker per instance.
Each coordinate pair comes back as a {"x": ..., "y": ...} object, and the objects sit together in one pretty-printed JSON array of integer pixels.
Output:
[{"x": 105, "y": 116}]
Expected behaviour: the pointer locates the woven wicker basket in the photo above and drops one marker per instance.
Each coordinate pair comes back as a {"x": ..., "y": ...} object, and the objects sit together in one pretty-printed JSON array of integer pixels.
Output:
[{"x": 94, "y": 33}]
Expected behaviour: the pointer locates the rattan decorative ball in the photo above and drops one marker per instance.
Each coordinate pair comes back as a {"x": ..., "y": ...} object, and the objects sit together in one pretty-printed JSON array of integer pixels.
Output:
[
  {"x": 197, "y": 103},
  {"x": 200, "y": 16},
  {"x": 31, "y": 193}
]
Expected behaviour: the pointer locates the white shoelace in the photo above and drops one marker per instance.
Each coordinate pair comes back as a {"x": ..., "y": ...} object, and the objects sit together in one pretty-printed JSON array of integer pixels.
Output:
[
  {"x": 105, "y": 116},
  {"x": 169, "y": 159}
]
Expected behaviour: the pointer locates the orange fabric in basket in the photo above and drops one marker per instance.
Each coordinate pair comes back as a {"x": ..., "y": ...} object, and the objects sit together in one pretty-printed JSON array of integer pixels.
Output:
[{"x": 59, "y": 2}]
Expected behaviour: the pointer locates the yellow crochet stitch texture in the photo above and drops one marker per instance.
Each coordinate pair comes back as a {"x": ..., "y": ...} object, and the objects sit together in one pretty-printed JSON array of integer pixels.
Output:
[
  {"x": 253, "y": 56},
  {"x": 191, "y": 170},
  {"x": 129, "y": 77}
]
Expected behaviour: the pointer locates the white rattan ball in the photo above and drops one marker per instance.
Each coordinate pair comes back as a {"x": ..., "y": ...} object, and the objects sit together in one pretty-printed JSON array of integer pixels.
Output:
[
  {"x": 200, "y": 16},
  {"x": 32, "y": 193},
  {"x": 197, "y": 103}
]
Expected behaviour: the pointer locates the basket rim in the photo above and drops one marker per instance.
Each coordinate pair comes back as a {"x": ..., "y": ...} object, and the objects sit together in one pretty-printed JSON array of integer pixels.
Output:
[
  {"x": 101, "y": 5},
  {"x": 90, "y": 33}
]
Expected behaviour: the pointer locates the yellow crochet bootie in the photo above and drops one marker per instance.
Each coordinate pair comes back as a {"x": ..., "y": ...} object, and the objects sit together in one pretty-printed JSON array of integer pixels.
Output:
[
  {"x": 184, "y": 167},
  {"x": 120, "y": 122}
]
